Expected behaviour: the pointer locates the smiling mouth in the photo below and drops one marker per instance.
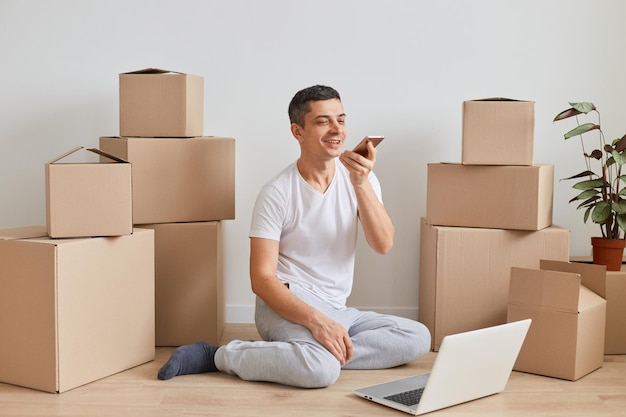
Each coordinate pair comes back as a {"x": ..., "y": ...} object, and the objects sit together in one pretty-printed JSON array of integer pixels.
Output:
[{"x": 333, "y": 141}]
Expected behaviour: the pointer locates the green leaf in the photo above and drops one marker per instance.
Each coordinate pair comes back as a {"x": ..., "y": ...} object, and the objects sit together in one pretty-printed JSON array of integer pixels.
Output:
[
  {"x": 590, "y": 202},
  {"x": 582, "y": 174},
  {"x": 579, "y": 130},
  {"x": 601, "y": 212},
  {"x": 587, "y": 214},
  {"x": 589, "y": 184},
  {"x": 586, "y": 194},
  {"x": 621, "y": 221},
  {"x": 565, "y": 114},
  {"x": 575, "y": 110},
  {"x": 620, "y": 144},
  {"x": 619, "y": 207},
  {"x": 583, "y": 107},
  {"x": 619, "y": 157},
  {"x": 609, "y": 161}
]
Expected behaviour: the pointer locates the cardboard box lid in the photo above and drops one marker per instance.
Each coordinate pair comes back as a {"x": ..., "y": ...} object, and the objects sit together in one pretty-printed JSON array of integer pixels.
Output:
[
  {"x": 157, "y": 71},
  {"x": 553, "y": 290},
  {"x": 94, "y": 150},
  {"x": 500, "y": 99},
  {"x": 592, "y": 276},
  {"x": 153, "y": 71}
]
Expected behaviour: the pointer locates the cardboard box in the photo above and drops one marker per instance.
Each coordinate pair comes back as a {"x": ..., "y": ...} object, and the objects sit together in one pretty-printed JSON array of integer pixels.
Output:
[
  {"x": 464, "y": 273},
  {"x": 499, "y": 197},
  {"x": 179, "y": 180},
  {"x": 74, "y": 310},
  {"x": 566, "y": 337},
  {"x": 88, "y": 198},
  {"x": 161, "y": 103},
  {"x": 615, "y": 287},
  {"x": 498, "y": 131},
  {"x": 189, "y": 283}
]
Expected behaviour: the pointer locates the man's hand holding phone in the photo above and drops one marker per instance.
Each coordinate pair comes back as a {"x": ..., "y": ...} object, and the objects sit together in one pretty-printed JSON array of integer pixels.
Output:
[{"x": 361, "y": 148}]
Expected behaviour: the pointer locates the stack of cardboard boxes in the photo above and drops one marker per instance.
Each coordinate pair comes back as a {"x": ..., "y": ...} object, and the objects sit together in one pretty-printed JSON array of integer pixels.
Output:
[
  {"x": 489, "y": 216},
  {"x": 78, "y": 296},
  {"x": 183, "y": 187},
  {"x": 483, "y": 216}
]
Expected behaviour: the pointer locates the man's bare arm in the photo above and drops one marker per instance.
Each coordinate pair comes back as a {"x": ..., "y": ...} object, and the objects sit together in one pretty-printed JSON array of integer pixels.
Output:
[
  {"x": 377, "y": 225},
  {"x": 265, "y": 284}
]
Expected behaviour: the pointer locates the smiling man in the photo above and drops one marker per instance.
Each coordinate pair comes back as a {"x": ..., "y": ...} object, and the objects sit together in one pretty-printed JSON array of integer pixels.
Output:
[{"x": 303, "y": 239}]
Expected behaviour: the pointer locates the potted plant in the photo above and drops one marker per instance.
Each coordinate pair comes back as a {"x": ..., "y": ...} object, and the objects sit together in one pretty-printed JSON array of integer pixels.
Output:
[{"x": 602, "y": 187}]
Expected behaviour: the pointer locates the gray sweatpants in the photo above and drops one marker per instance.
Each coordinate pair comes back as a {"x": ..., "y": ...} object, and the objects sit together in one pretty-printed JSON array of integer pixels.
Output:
[{"x": 290, "y": 355}]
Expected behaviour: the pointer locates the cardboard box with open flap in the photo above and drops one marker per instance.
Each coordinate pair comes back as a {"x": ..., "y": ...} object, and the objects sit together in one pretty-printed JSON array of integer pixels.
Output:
[
  {"x": 566, "y": 303},
  {"x": 88, "y": 197},
  {"x": 615, "y": 336}
]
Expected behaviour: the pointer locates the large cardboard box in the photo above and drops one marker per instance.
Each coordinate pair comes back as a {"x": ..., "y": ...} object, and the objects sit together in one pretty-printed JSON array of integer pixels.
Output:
[
  {"x": 88, "y": 197},
  {"x": 566, "y": 338},
  {"x": 74, "y": 310},
  {"x": 189, "y": 283},
  {"x": 464, "y": 273},
  {"x": 499, "y": 197},
  {"x": 161, "y": 103},
  {"x": 179, "y": 180},
  {"x": 615, "y": 295},
  {"x": 498, "y": 131}
]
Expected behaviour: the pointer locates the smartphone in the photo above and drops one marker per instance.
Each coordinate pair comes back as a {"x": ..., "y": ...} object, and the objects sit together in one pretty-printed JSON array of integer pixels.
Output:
[{"x": 361, "y": 148}]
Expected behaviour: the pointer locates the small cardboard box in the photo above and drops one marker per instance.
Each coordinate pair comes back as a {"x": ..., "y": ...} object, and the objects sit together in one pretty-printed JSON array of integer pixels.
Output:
[
  {"x": 464, "y": 273},
  {"x": 498, "y": 131},
  {"x": 566, "y": 338},
  {"x": 615, "y": 334},
  {"x": 179, "y": 180},
  {"x": 189, "y": 283},
  {"x": 74, "y": 310},
  {"x": 499, "y": 197},
  {"x": 161, "y": 103},
  {"x": 85, "y": 199}
]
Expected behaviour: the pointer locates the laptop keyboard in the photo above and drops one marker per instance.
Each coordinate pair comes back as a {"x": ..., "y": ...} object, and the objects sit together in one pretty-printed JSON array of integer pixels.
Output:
[{"x": 408, "y": 398}]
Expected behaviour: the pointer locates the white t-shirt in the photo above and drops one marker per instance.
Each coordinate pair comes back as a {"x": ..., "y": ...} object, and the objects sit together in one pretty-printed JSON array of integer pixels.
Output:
[{"x": 317, "y": 232}]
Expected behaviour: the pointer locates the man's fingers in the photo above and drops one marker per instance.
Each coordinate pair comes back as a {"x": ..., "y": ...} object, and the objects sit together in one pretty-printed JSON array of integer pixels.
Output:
[
  {"x": 339, "y": 350},
  {"x": 348, "y": 345}
]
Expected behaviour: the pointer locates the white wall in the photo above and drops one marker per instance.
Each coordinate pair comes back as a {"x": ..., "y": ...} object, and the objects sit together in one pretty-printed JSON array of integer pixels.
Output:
[{"x": 403, "y": 69}]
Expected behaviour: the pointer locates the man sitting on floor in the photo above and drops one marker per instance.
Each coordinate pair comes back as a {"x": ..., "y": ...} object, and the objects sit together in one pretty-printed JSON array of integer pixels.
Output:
[{"x": 302, "y": 248}]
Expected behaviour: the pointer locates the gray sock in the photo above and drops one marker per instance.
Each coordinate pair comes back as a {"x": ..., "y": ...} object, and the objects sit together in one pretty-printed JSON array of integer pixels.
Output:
[{"x": 190, "y": 359}]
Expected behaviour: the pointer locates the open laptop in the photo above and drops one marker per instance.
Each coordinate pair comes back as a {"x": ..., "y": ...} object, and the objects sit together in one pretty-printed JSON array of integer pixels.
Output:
[{"x": 469, "y": 365}]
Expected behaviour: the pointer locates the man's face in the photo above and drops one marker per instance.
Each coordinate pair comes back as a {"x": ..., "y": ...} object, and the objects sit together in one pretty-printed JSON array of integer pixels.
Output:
[{"x": 324, "y": 129}]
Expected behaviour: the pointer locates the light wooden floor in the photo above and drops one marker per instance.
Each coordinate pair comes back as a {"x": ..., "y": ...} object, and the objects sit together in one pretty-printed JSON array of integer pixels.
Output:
[{"x": 137, "y": 393}]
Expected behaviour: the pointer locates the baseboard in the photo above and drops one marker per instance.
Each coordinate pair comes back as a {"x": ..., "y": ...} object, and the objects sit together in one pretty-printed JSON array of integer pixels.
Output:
[{"x": 245, "y": 314}]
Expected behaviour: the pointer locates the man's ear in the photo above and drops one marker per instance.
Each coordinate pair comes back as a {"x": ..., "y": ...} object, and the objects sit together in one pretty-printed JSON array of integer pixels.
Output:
[{"x": 296, "y": 131}]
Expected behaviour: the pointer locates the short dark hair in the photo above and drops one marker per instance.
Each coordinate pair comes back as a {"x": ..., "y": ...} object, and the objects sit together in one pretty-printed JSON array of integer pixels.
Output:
[{"x": 299, "y": 105}]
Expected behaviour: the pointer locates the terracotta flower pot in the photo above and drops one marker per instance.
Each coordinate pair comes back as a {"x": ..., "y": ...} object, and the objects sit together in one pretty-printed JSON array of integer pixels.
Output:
[{"x": 608, "y": 252}]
